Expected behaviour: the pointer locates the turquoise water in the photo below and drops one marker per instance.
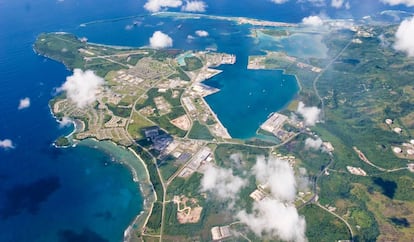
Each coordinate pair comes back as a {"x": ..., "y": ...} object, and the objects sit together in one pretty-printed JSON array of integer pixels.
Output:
[
  {"x": 247, "y": 98},
  {"x": 304, "y": 45},
  {"x": 181, "y": 58}
]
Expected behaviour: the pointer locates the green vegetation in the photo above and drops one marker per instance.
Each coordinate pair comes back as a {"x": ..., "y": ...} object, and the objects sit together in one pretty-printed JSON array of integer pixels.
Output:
[
  {"x": 161, "y": 55},
  {"x": 154, "y": 221},
  {"x": 180, "y": 74},
  {"x": 275, "y": 32},
  {"x": 192, "y": 63},
  {"x": 137, "y": 123},
  {"x": 199, "y": 131},
  {"x": 337, "y": 188},
  {"x": 164, "y": 121},
  {"x": 322, "y": 226},
  {"x": 172, "y": 227},
  {"x": 372, "y": 83},
  {"x": 122, "y": 112},
  {"x": 61, "y": 47},
  {"x": 170, "y": 215},
  {"x": 188, "y": 187},
  {"x": 152, "y": 170},
  {"x": 149, "y": 100},
  {"x": 262, "y": 142},
  {"x": 167, "y": 169},
  {"x": 71, "y": 51},
  {"x": 62, "y": 141},
  {"x": 397, "y": 185},
  {"x": 275, "y": 63},
  {"x": 247, "y": 154},
  {"x": 107, "y": 117},
  {"x": 313, "y": 160},
  {"x": 358, "y": 102}
]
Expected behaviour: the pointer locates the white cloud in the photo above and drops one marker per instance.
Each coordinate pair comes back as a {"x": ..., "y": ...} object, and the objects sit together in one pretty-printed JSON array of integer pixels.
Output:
[
  {"x": 201, "y": 33},
  {"x": 275, "y": 218},
  {"x": 310, "y": 114},
  {"x": 302, "y": 180},
  {"x": 408, "y": 3},
  {"x": 64, "y": 122},
  {"x": 315, "y": 144},
  {"x": 237, "y": 158},
  {"x": 347, "y": 5},
  {"x": 312, "y": 20},
  {"x": 160, "y": 40},
  {"x": 24, "y": 103},
  {"x": 340, "y": 3},
  {"x": 278, "y": 176},
  {"x": 6, "y": 144},
  {"x": 81, "y": 87},
  {"x": 158, "y": 5},
  {"x": 221, "y": 182},
  {"x": 404, "y": 37},
  {"x": 316, "y": 3},
  {"x": 194, "y": 6},
  {"x": 337, "y": 3},
  {"x": 279, "y": 1}
]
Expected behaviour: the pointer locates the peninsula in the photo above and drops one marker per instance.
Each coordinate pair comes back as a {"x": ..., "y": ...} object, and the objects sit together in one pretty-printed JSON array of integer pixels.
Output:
[{"x": 343, "y": 149}]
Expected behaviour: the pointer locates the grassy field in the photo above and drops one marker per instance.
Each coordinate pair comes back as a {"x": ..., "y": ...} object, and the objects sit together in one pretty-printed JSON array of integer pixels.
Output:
[
  {"x": 200, "y": 131},
  {"x": 135, "y": 127},
  {"x": 192, "y": 63},
  {"x": 168, "y": 169}
]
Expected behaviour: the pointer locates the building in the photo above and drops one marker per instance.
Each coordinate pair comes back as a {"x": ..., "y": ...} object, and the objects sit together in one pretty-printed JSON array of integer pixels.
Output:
[
  {"x": 151, "y": 132},
  {"x": 389, "y": 121},
  {"x": 160, "y": 140},
  {"x": 397, "y": 150},
  {"x": 219, "y": 233},
  {"x": 397, "y": 130},
  {"x": 257, "y": 195}
]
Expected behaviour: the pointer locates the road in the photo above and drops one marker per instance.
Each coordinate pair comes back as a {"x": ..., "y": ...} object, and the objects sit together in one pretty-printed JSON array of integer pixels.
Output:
[
  {"x": 315, "y": 81},
  {"x": 315, "y": 195},
  {"x": 342, "y": 219}
]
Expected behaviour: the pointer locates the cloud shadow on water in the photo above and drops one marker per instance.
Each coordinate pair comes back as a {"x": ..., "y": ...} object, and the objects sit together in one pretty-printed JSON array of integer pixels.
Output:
[
  {"x": 86, "y": 235},
  {"x": 28, "y": 197}
]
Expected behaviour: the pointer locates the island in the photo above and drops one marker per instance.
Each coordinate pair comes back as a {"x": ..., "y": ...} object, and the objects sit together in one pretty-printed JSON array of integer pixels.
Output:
[{"x": 348, "y": 169}]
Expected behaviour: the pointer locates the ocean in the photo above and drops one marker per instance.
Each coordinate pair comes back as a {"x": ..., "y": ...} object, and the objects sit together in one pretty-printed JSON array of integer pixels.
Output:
[{"x": 75, "y": 194}]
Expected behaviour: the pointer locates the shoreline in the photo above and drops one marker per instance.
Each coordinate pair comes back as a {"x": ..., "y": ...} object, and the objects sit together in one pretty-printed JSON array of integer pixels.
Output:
[
  {"x": 140, "y": 176},
  {"x": 222, "y": 127},
  {"x": 238, "y": 20}
]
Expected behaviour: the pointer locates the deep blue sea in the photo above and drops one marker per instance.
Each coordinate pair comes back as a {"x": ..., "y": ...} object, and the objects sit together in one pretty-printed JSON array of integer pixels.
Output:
[{"x": 75, "y": 194}]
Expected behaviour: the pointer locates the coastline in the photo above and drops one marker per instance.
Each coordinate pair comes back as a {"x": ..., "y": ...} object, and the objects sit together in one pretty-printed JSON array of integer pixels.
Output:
[
  {"x": 238, "y": 20},
  {"x": 222, "y": 127},
  {"x": 140, "y": 174},
  {"x": 136, "y": 166}
]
